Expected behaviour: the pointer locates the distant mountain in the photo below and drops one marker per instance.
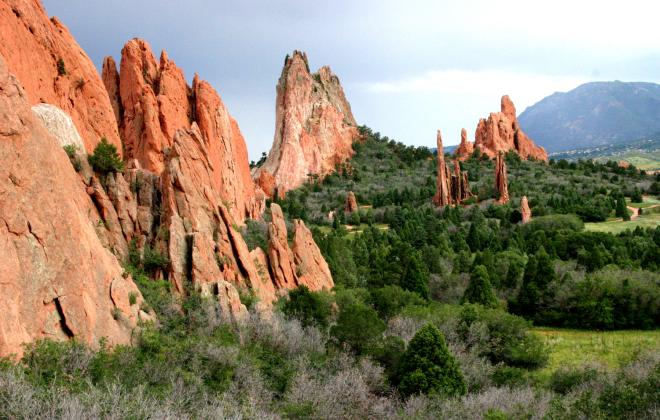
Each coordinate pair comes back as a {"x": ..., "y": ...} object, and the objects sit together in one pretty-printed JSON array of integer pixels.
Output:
[{"x": 594, "y": 114}]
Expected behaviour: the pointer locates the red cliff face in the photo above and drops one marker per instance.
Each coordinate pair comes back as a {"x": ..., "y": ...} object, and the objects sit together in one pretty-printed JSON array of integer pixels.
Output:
[
  {"x": 314, "y": 125},
  {"x": 501, "y": 179},
  {"x": 58, "y": 281},
  {"x": 501, "y": 133},
  {"x": 154, "y": 102},
  {"x": 52, "y": 68}
]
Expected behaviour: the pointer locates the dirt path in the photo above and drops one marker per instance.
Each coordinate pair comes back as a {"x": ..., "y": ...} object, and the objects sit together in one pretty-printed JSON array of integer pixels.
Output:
[{"x": 635, "y": 212}]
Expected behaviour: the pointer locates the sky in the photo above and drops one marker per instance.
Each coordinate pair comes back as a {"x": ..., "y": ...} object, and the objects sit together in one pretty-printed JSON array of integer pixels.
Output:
[{"x": 408, "y": 68}]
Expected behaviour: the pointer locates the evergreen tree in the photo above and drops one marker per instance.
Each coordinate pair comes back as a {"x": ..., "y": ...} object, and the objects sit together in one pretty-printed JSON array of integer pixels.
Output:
[
  {"x": 105, "y": 158},
  {"x": 414, "y": 276},
  {"x": 479, "y": 289},
  {"x": 428, "y": 367},
  {"x": 621, "y": 209}
]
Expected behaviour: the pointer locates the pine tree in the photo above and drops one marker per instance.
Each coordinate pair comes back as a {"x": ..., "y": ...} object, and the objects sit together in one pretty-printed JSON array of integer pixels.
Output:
[
  {"x": 479, "y": 290},
  {"x": 428, "y": 367}
]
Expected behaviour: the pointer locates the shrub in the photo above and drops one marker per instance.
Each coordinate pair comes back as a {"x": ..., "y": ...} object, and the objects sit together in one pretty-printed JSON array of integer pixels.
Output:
[
  {"x": 358, "y": 327},
  {"x": 105, "y": 158},
  {"x": 72, "y": 152},
  {"x": 389, "y": 300},
  {"x": 563, "y": 380},
  {"x": 61, "y": 68},
  {"x": 428, "y": 367},
  {"x": 154, "y": 260},
  {"x": 308, "y": 307},
  {"x": 479, "y": 289}
]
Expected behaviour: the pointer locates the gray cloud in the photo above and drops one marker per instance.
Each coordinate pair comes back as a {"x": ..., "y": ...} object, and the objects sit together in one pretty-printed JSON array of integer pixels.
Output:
[{"x": 239, "y": 47}]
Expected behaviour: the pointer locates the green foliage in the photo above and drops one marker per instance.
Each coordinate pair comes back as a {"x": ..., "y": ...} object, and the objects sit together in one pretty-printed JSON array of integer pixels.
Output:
[
  {"x": 428, "y": 367},
  {"x": 358, "y": 327},
  {"x": 72, "y": 152},
  {"x": 391, "y": 299},
  {"x": 61, "y": 67},
  {"x": 105, "y": 158},
  {"x": 479, "y": 289},
  {"x": 310, "y": 308},
  {"x": 153, "y": 260}
]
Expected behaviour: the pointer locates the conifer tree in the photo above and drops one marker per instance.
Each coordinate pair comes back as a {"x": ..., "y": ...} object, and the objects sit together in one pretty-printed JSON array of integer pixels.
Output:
[{"x": 479, "y": 289}]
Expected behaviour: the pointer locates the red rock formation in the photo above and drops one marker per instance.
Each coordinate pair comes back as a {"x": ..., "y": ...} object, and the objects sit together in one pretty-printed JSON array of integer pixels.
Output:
[
  {"x": 466, "y": 148},
  {"x": 58, "y": 281},
  {"x": 280, "y": 256},
  {"x": 110, "y": 77},
  {"x": 450, "y": 188},
  {"x": 442, "y": 196},
  {"x": 525, "y": 211},
  {"x": 501, "y": 133},
  {"x": 501, "y": 179},
  {"x": 351, "y": 203},
  {"x": 156, "y": 102},
  {"x": 312, "y": 269},
  {"x": 314, "y": 125},
  {"x": 32, "y": 46},
  {"x": 266, "y": 182}
]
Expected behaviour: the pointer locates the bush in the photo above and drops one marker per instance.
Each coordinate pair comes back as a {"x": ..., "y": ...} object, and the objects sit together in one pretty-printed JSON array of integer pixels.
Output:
[
  {"x": 389, "y": 300},
  {"x": 308, "y": 307},
  {"x": 105, "y": 158},
  {"x": 358, "y": 327},
  {"x": 563, "y": 380},
  {"x": 61, "y": 68},
  {"x": 479, "y": 289},
  {"x": 154, "y": 260},
  {"x": 428, "y": 367},
  {"x": 72, "y": 152}
]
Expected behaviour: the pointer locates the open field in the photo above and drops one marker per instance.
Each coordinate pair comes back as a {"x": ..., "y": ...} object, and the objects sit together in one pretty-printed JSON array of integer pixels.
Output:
[
  {"x": 611, "y": 349},
  {"x": 648, "y": 202},
  {"x": 617, "y": 226}
]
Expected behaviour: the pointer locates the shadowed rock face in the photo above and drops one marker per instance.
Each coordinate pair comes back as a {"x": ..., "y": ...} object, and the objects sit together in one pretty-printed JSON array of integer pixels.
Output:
[
  {"x": 501, "y": 133},
  {"x": 501, "y": 179},
  {"x": 58, "y": 281},
  {"x": 32, "y": 46},
  {"x": 152, "y": 102},
  {"x": 314, "y": 125}
]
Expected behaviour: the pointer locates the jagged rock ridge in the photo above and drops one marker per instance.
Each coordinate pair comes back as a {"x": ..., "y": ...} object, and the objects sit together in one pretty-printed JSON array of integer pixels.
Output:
[
  {"x": 500, "y": 132},
  {"x": 314, "y": 125}
]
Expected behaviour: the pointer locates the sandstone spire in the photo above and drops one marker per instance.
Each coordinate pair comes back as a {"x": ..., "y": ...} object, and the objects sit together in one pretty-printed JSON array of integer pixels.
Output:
[
  {"x": 501, "y": 133},
  {"x": 525, "y": 211},
  {"x": 351, "y": 203},
  {"x": 501, "y": 179},
  {"x": 465, "y": 149},
  {"x": 442, "y": 196},
  {"x": 314, "y": 125},
  {"x": 53, "y": 69}
]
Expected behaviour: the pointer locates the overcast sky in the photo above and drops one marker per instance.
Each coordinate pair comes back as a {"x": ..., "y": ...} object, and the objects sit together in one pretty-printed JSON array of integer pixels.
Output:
[{"x": 407, "y": 67}]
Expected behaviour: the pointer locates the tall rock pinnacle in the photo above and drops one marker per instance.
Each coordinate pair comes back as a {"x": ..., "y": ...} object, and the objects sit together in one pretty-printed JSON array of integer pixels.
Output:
[
  {"x": 501, "y": 133},
  {"x": 314, "y": 125},
  {"x": 501, "y": 179},
  {"x": 465, "y": 149},
  {"x": 525, "y": 211},
  {"x": 450, "y": 188}
]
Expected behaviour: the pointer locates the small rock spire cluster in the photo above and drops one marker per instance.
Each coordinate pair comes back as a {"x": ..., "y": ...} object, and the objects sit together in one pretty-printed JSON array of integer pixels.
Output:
[
  {"x": 501, "y": 179},
  {"x": 466, "y": 148},
  {"x": 451, "y": 188}
]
